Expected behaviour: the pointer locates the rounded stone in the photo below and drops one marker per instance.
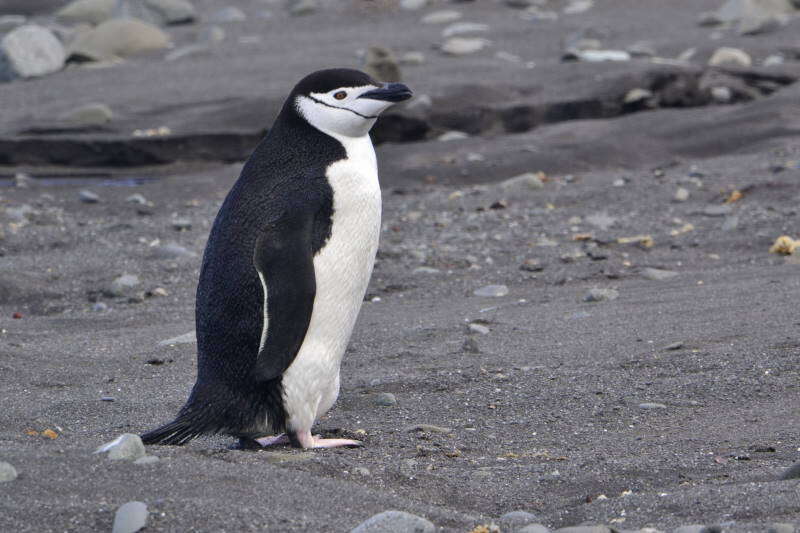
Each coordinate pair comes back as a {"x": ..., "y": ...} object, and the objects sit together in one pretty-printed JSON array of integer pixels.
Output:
[
  {"x": 7, "y": 472},
  {"x": 30, "y": 51},
  {"x": 491, "y": 291},
  {"x": 127, "y": 447},
  {"x": 514, "y": 520},
  {"x": 86, "y": 11},
  {"x": 395, "y": 522},
  {"x": 130, "y": 517},
  {"x": 118, "y": 38},
  {"x": 385, "y": 399}
]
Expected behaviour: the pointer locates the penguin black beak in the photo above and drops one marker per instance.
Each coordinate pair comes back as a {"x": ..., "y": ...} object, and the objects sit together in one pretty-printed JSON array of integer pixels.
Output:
[{"x": 390, "y": 92}]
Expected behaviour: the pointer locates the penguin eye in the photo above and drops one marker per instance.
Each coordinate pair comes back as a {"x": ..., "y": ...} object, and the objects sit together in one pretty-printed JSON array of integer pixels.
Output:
[{"x": 341, "y": 95}]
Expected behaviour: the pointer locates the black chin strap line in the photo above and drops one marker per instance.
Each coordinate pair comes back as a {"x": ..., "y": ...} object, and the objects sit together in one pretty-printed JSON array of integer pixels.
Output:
[{"x": 342, "y": 108}]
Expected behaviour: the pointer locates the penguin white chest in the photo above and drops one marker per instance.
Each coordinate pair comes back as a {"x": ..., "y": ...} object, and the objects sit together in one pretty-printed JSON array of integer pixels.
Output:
[{"x": 342, "y": 269}]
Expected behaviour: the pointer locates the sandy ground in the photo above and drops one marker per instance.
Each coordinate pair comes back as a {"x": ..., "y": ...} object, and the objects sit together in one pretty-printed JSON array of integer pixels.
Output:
[{"x": 543, "y": 413}]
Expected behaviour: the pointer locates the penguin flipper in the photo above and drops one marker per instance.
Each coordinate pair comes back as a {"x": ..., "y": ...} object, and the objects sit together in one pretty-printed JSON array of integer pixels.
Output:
[{"x": 284, "y": 259}]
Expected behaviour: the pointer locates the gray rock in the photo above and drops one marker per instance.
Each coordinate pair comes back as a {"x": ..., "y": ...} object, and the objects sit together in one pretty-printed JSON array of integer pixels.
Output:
[
  {"x": 136, "y": 198},
  {"x": 118, "y": 38},
  {"x": 464, "y": 28},
  {"x": 99, "y": 307},
  {"x": 146, "y": 460},
  {"x": 445, "y": 16},
  {"x": 598, "y": 56},
  {"x": 793, "y": 472},
  {"x": 381, "y": 64},
  {"x": 30, "y": 51},
  {"x": 413, "y": 5},
  {"x": 527, "y": 181},
  {"x": 657, "y": 274},
  {"x": 168, "y": 12},
  {"x": 395, "y": 522},
  {"x": 731, "y": 223},
  {"x": 303, "y": 7},
  {"x": 130, "y": 518},
  {"x": 95, "y": 114},
  {"x": 514, "y": 520},
  {"x": 681, "y": 195},
  {"x": 127, "y": 447},
  {"x": 123, "y": 284},
  {"x": 717, "y": 210},
  {"x": 491, "y": 291},
  {"x": 88, "y": 197},
  {"x": 600, "y": 295},
  {"x": 7, "y": 472},
  {"x": 171, "y": 251},
  {"x": 583, "y": 529},
  {"x": 651, "y": 405},
  {"x": 362, "y": 471},
  {"x": 578, "y": 6},
  {"x": 480, "y": 329},
  {"x": 186, "y": 338},
  {"x": 781, "y": 527},
  {"x": 727, "y": 56},
  {"x": 452, "y": 136},
  {"x": 533, "y": 528},
  {"x": 385, "y": 399},
  {"x": 87, "y": 11},
  {"x": 674, "y": 346},
  {"x": 413, "y": 58},
  {"x": 182, "y": 224},
  {"x": 228, "y": 14},
  {"x": 692, "y": 528},
  {"x": 461, "y": 46},
  {"x": 601, "y": 220}
]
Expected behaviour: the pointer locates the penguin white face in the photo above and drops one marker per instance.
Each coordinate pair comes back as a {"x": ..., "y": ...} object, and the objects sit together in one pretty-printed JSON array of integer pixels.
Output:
[{"x": 345, "y": 102}]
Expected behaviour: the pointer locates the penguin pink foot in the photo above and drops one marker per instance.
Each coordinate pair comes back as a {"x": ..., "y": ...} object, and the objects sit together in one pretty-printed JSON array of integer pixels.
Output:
[{"x": 305, "y": 440}]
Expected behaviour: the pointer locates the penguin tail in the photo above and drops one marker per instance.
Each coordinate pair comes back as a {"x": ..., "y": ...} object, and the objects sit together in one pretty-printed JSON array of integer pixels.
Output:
[{"x": 176, "y": 433}]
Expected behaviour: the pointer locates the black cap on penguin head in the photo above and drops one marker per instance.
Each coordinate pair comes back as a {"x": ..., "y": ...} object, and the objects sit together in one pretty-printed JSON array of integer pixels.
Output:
[{"x": 323, "y": 81}]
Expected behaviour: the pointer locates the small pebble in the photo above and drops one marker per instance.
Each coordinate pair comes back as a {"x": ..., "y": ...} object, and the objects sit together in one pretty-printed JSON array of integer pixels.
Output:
[
  {"x": 136, "y": 199},
  {"x": 600, "y": 295},
  {"x": 127, "y": 446},
  {"x": 452, "y": 136},
  {"x": 717, "y": 210},
  {"x": 514, "y": 520},
  {"x": 681, "y": 195},
  {"x": 441, "y": 17},
  {"x": 651, "y": 405},
  {"x": 385, "y": 399},
  {"x": 793, "y": 472},
  {"x": 107, "y": 398},
  {"x": 362, "y": 471},
  {"x": 122, "y": 284},
  {"x": 674, "y": 346},
  {"x": 395, "y": 521},
  {"x": 99, "y": 307},
  {"x": 478, "y": 328},
  {"x": 731, "y": 223},
  {"x": 657, "y": 274},
  {"x": 7, "y": 472},
  {"x": 88, "y": 197},
  {"x": 130, "y": 517},
  {"x": 491, "y": 291},
  {"x": 181, "y": 224}
]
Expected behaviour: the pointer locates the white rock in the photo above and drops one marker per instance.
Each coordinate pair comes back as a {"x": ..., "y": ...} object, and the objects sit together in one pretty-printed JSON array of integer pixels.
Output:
[
  {"x": 637, "y": 95},
  {"x": 721, "y": 94},
  {"x": 526, "y": 181},
  {"x": 122, "y": 284},
  {"x": 186, "y": 338},
  {"x": 30, "y": 51},
  {"x": 681, "y": 195},
  {"x": 130, "y": 518},
  {"x": 603, "y": 220},
  {"x": 597, "y": 56},
  {"x": 118, "y": 38},
  {"x": 464, "y": 28},
  {"x": 478, "y": 328},
  {"x": 774, "y": 59},
  {"x": 413, "y": 5},
  {"x": 491, "y": 291},
  {"x": 657, "y": 274},
  {"x": 461, "y": 46},
  {"x": 127, "y": 446},
  {"x": 578, "y": 6},
  {"x": 87, "y": 11},
  {"x": 445, "y": 16},
  {"x": 453, "y": 136},
  {"x": 412, "y": 58},
  {"x": 89, "y": 115},
  {"x": 395, "y": 522},
  {"x": 726, "y": 56},
  {"x": 7, "y": 472}
]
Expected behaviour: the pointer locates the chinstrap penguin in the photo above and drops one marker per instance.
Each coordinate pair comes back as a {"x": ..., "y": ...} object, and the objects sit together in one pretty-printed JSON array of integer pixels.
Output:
[{"x": 286, "y": 268}]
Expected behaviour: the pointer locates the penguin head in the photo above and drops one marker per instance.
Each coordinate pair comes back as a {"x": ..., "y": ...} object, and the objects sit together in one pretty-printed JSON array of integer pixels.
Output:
[{"x": 344, "y": 101}]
